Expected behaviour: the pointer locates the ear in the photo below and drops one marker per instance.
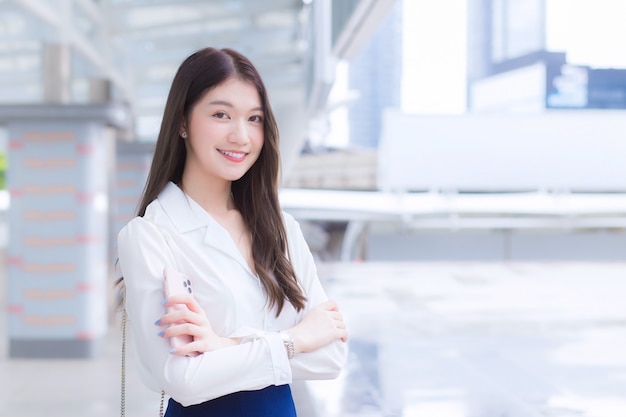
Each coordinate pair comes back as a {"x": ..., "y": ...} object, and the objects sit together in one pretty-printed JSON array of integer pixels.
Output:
[{"x": 182, "y": 131}]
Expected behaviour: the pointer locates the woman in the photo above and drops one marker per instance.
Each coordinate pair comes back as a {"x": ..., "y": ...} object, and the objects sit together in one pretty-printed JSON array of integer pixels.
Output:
[{"x": 259, "y": 317}]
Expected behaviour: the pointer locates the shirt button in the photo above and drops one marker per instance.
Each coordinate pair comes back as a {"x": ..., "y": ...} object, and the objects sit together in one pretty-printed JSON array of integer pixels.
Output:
[{"x": 283, "y": 376}]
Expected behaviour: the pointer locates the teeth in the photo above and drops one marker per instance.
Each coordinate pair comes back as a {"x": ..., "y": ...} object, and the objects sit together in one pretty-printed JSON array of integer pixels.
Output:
[{"x": 234, "y": 154}]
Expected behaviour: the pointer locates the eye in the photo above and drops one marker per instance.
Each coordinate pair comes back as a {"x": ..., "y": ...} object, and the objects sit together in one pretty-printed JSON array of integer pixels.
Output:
[
  {"x": 221, "y": 115},
  {"x": 256, "y": 118}
]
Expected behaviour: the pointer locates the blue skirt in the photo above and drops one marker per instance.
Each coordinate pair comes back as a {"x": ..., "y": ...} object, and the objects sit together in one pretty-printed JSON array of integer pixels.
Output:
[{"x": 272, "y": 401}]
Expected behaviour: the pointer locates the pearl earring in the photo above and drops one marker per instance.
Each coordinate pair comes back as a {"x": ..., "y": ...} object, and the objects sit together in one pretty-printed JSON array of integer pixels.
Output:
[{"x": 184, "y": 135}]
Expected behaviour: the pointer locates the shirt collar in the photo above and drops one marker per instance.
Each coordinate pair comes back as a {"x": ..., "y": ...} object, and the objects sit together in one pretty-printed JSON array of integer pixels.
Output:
[
  {"x": 182, "y": 210},
  {"x": 187, "y": 215}
]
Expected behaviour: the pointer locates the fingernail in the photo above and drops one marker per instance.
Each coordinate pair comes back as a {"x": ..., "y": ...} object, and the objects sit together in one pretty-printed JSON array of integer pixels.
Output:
[
  {"x": 173, "y": 351},
  {"x": 161, "y": 333},
  {"x": 158, "y": 322}
]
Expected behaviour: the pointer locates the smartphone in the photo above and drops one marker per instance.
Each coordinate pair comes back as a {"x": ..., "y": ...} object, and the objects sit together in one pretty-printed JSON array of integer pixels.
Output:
[{"x": 177, "y": 283}]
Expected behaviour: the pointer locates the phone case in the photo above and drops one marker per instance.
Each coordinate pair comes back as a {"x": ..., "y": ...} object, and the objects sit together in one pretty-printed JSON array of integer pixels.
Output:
[{"x": 176, "y": 283}]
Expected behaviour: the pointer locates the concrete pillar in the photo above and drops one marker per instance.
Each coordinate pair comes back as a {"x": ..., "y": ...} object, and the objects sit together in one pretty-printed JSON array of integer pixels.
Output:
[
  {"x": 56, "y": 73},
  {"x": 57, "y": 255},
  {"x": 99, "y": 90}
]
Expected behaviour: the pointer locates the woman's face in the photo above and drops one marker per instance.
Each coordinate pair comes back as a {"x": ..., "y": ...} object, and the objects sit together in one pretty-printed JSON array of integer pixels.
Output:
[{"x": 225, "y": 132}]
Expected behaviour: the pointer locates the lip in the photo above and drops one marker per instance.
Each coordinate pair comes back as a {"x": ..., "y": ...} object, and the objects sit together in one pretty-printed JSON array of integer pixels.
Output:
[{"x": 233, "y": 156}]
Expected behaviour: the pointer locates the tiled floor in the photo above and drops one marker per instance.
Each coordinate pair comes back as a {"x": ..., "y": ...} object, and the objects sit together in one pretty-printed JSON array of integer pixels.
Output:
[
  {"x": 427, "y": 339},
  {"x": 481, "y": 340}
]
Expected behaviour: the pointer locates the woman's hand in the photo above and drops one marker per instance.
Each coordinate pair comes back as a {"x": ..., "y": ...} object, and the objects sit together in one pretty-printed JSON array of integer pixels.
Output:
[
  {"x": 191, "y": 321},
  {"x": 322, "y": 325}
]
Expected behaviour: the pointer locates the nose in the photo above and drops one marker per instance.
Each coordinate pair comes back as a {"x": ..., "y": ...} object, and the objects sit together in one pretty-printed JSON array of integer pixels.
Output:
[{"x": 239, "y": 133}]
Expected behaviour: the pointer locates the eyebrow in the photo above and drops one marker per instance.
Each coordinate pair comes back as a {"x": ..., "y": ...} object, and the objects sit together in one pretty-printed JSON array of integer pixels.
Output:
[{"x": 229, "y": 104}]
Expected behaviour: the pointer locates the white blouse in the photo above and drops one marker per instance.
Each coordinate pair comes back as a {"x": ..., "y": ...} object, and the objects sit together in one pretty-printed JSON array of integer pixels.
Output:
[{"x": 176, "y": 232}]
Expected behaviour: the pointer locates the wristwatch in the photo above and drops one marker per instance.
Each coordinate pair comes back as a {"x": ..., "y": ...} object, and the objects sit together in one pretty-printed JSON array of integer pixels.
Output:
[{"x": 288, "y": 342}]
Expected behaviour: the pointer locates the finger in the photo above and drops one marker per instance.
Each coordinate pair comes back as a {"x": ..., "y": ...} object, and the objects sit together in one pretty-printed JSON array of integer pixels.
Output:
[
  {"x": 182, "y": 329},
  {"x": 177, "y": 316},
  {"x": 343, "y": 335},
  {"x": 329, "y": 305},
  {"x": 186, "y": 300},
  {"x": 186, "y": 350},
  {"x": 195, "y": 346},
  {"x": 337, "y": 315}
]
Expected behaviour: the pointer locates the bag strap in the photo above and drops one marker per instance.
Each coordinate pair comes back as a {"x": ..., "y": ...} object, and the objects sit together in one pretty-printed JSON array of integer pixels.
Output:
[{"x": 123, "y": 373}]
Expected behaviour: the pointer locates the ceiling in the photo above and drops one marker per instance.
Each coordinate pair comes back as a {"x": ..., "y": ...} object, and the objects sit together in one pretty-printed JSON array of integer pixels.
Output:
[
  {"x": 61, "y": 51},
  {"x": 137, "y": 46}
]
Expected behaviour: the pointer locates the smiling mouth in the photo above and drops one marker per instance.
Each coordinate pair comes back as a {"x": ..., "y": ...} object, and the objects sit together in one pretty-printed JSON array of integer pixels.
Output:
[{"x": 233, "y": 155}]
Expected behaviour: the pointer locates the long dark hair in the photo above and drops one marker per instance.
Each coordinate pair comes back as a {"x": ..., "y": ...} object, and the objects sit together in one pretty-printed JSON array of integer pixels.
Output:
[{"x": 256, "y": 193}]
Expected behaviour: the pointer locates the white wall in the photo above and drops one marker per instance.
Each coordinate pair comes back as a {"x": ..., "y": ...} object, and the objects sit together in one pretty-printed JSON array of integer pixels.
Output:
[
  {"x": 518, "y": 91},
  {"x": 554, "y": 150}
]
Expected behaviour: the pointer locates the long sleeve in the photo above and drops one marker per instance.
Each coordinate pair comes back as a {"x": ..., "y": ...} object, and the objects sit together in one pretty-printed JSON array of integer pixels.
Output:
[
  {"x": 327, "y": 362},
  {"x": 255, "y": 364}
]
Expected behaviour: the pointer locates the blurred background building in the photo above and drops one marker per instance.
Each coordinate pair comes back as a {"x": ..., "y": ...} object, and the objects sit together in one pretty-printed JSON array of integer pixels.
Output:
[
  {"x": 464, "y": 63},
  {"x": 376, "y": 73},
  {"x": 510, "y": 49}
]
